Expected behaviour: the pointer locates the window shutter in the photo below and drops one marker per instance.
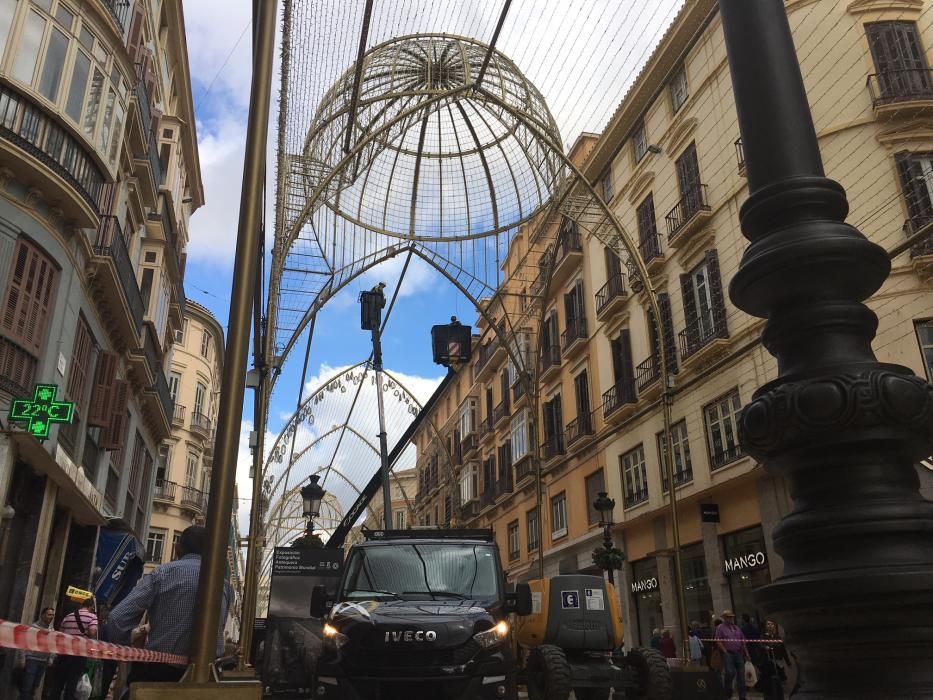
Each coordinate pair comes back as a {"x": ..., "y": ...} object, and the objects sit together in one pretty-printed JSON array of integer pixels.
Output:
[
  {"x": 625, "y": 370},
  {"x": 104, "y": 389},
  {"x": 690, "y": 312},
  {"x": 80, "y": 364},
  {"x": 913, "y": 187},
  {"x": 29, "y": 296},
  {"x": 667, "y": 331},
  {"x": 716, "y": 294},
  {"x": 113, "y": 436}
]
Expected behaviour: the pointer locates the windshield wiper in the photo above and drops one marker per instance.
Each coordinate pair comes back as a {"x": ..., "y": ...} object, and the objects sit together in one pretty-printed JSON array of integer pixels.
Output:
[
  {"x": 449, "y": 594},
  {"x": 370, "y": 590}
]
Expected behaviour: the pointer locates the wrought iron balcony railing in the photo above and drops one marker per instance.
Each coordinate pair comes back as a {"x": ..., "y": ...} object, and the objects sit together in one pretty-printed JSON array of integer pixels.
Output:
[
  {"x": 201, "y": 423},
  {"x": 501, "y": 411},
  {"x": 550, "y": 357},
  {"x": 646, "y": 373},
  {"x": 900, "y": 86},
  {"x": 523, "y": 468},
  {"x": 485, "y": 426},
  {"x": 912, "y": 226},
  {"x": 613, "y": 289},
  {"x": 650, "y": 246},
  {"x": 553, "y": 445},
  {"x": 740, "y": 154},
  {"x": 165, "y": 491},
  {"x": 570, "y": 242},
  {"x": 193, "y": 498},
  {"x": 178, "y": 417},
  {"x": 617, "y": 396},
  {"x": 633, "y": 498},
  {"x": 119, "y": 10},
  {"x": 110, "y": 244},
  {"x": 518, "y": 391},
  {"x": 693, "y": 201},
  {"x": 165, "y": 396},
  {"x": 700, "y": 333},
  {"x": 468, "y": 444},
  {"x": 576, "y": 330},
  {"x": 580, "y": 427},
  {"x": 725, "y": 456}
]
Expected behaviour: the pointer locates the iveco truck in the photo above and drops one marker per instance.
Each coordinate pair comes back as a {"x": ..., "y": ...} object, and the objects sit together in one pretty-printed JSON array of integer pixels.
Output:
[{"x": 419, "y": 614}]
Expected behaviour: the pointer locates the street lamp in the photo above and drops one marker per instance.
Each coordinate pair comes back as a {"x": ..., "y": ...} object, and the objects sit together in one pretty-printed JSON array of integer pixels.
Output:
[
  {"x": 604, "y": 506},
  {"x": 311, "y": 496}
]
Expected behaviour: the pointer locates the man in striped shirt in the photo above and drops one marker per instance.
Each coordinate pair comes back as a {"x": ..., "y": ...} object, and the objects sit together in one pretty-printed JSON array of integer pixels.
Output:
[
  {"x": 69, "y": 669},
  {"x": 169, "y": 595}
]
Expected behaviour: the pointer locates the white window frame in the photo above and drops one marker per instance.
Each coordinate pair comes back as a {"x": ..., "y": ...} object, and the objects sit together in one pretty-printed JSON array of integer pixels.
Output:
[
  {"x": 721, "y": 416},
  {"x": 559, "y": 515},
  {"x": 680, "y": 449},
  {"x": 680, "y": 90},
  {"x": 925, "y": 328},
  {"x": 200, "y": 398},
  {"x": 155, "y": 535},
  {"x": 174, "y": 381},
  {"x": 640, "y": 142},
  {"x": 605, "y": 185},
  {"x": 521, "y": 445},
  {"x": 533, "y": 542},
  {"x": 514, "y": 540},
  {"x": 400, "y": 519},
  {"x": 466, "y": 415},
  {"x": 634, "y": 470},
  {"x": 205, "y": 343},
  {"x": 469, "y": 483}
]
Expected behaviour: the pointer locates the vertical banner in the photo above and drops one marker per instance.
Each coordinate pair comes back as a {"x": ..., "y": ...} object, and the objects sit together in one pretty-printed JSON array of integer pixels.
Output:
[{"x": 293, "y": 639}]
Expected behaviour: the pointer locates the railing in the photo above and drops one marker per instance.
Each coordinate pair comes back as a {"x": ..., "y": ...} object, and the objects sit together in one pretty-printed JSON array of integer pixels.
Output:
[
  {"x": 576, "y": 330},
  {"x": 650, "y": 246},
  {"x": 900, "y": 86},
  {"x": 740, "y": 154},
  {"x": 501, "y": 411},
  {"x": 698, "y": 335},
  {"x": 518, "y": 391},
  {"x": 550, "y": 357},
  {"x": 579, "y": 427},
  {"x": 570, "y": 242},
  {"x": 912, "y": 226},
  {"x": 724, "y": 457},
  {"x": 523, "y": 468},
  {"x": 152, "y": 349},
  {"x": 617, "y": 396},
  {"x": 165, "y": 396},
  {"x": 27, "y": 126},
  {"x": 693, "y": 201},
  {"x": 155, "y": 163},
  {"x": 553, "y": 445},
  {"x": 485, "y": 426},
  {"x": 647, "y": 373},
  {"x": 488, "y": 497},
  {"x": 17, "y": 368},
  {"x": 120, "y": 10},
  {"x": 168, "y": 225},
  {"x": 110, "y": 244},
  {"x": 468, "y": 444},
  {"x": 200, "y": 422},
  {"x": 633, "y": 498},
  {"x": 504, "y": 485},
  {"x": 178, "y": 417},
  {"x": 165, "y": 491},
  {"x": 142, "y": 102},
  {"x": 681, "y": 476},
  {"x": 613, "y": 289},
  {"x": 192, "y": 497},
  {"x": 485, "y": 352}
]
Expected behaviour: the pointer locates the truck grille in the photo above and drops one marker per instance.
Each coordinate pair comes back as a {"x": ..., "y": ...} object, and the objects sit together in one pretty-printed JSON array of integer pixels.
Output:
[{"x": 424, "y": 658}]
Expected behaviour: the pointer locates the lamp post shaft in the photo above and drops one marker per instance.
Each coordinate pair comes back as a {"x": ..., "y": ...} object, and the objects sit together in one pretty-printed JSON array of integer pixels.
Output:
[
  {"x": 383, "y": 443},
  {"x": 841, "y": 427}
]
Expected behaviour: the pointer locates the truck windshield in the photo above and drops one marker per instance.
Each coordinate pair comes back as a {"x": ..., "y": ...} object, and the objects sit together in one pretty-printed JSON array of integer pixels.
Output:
[{"x": 423, "y": 572}]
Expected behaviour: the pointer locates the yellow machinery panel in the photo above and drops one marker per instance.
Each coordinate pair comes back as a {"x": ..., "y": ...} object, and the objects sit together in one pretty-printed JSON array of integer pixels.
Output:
[
  {"x": 534, "y": 629},
  {"x": 530, "y": 629}
]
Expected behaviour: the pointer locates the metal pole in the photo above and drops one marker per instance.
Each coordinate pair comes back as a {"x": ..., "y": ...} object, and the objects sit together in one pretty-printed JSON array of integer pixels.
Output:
[
  {"x": 230, "y": 411},
  {"x": 843, "y": 429},
  {"x": 383, "y": 447},
  {"x": 607, "y": 543},
  {"x": 667, "y": 399}
]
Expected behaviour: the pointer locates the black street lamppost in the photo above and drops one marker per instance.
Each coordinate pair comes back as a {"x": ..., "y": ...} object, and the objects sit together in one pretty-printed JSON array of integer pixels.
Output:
[
  {"x": 604, "y": 506},
  {"x": 311, "y": 496},
  {"x": 845, "y": 430}
]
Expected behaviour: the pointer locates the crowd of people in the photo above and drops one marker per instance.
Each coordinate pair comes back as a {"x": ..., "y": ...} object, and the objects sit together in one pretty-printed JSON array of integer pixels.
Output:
[
  {"x": 742, "y": 655},
  {"x": 158, "y": 614}
]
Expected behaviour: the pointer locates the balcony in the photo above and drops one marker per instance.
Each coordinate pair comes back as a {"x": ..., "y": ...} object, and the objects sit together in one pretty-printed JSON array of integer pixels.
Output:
[
  {"x": 501, "y": 412},
  {"x": 178, "y": 417},
  {"x": 523, "y": 469},
  {"x": 44, "y": 154},
  {"x": 153, "y": 177},
  {"x": 901, "y": 93},
  {"x": 490, "y": 355},
  {"x": 142, "y": 108},
  {"x": 504, "y": 486},
  {"x": 553, "y": 446},
  {"x": 616, "y": 398},
  {"x": 468, "y": 446},
  {"x": 120, "y": 11},
  {"x": 688, "y": 216},
  {"x": 574, "y": 337},
  {"x": 146, "y": 357},
  {"x": 550, "y": 359},
  {"x": 158, "y": 403},
  {"x": 485, "y": 427},
  {"x": 200, "y": 424},
  {"x": 633, "y": 498},
  {"x": 921, "y": 254},
  {"x": 165, "y": 491},
  {"x": 611, "y": 296},
  {"x": 579, "y": 428},
  {"x": 470, "y": 509},
  {"x": 647, "y": 373},
  {"x": 682, "y": 475},
  {"x": 652, "y": 253},
  {"x": 114, "y": 279},
  {"x": 193, "y": 499},
  {"x": 568, "y": 255},
  {"x": 725, "y": 456},
  {"x": 740, "y": 156},
  {"x": 518, "y": 392},
  {"x": 488, "y": 497},
  {"x": 704, "y": 337}
]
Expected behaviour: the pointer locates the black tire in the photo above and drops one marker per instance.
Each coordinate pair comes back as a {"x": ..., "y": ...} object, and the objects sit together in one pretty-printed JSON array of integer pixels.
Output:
[
  {"x": 654, "y": 675},
  {"x": 591, "y": 693},
  {"x": 548, "y": 673}
]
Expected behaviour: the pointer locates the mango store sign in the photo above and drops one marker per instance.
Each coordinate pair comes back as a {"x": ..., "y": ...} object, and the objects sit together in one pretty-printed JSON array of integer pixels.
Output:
[{"x": 745, "y": 562}]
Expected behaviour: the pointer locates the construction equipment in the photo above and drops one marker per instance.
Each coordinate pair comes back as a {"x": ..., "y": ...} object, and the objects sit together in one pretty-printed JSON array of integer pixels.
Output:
[{"x": 572, "y": 641}]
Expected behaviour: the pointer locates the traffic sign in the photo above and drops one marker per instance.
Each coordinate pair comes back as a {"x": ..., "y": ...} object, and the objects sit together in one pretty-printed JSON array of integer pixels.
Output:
[{"x": 41, "y": 411}]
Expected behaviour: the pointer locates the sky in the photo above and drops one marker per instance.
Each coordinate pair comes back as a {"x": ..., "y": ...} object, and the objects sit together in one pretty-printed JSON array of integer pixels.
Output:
[{"x": 582, "y": 54}]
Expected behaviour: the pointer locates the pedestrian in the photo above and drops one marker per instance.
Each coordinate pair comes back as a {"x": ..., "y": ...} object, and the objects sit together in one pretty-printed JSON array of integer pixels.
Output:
[
  {"x": 776, "y": 660},
  {"x": 706, "y": 634},
  {"x": 751, "y": 631},
  {"x": 656, "y": 639},
  {"x": 668, "y": 648},
  {"x": 35, "y": 663},
  {"x": 731, "y": 643},
  {"x": 697, "y": 656},
  {"x": 168, "y": 594},
  {"x": 69, "y": 669}
]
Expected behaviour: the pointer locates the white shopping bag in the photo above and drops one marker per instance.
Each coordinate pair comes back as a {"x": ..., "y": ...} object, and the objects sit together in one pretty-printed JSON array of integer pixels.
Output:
[
  {"x": 83, "y": 689},
  {"x": 751, "y": 675}
]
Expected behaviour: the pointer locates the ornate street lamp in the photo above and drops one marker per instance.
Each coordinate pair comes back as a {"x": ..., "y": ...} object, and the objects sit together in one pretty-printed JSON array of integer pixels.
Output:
[
  {"x": 311, "y": 496},
  {"x": 842, "y": 428},
  {"x": 604, "y": 506}
]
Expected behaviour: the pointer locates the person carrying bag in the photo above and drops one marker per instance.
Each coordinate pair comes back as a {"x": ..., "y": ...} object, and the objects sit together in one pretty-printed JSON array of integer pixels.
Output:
[{"x": 71, "y": 670}]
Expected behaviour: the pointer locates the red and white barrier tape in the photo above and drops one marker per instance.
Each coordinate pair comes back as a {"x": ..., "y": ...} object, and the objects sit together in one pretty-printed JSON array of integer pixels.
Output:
[
  {"x": 747, "y": 641},
  {"x": 28, "y": 638}
]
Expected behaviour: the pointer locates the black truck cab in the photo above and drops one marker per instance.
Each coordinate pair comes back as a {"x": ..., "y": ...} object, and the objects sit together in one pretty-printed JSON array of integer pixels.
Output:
[{"x": 419, "y": 614}]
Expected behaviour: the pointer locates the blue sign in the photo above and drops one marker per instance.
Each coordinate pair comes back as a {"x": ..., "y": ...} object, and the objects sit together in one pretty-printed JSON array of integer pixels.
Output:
[{"x": 569, "y": 599}]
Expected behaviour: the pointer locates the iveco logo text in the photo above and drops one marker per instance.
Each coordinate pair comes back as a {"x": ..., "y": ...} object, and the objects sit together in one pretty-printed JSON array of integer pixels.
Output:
[{"x": 409, "y": 636}]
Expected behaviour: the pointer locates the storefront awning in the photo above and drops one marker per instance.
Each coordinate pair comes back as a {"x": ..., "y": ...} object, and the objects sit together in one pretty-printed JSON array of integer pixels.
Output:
[{"x": 120, "y": 559}]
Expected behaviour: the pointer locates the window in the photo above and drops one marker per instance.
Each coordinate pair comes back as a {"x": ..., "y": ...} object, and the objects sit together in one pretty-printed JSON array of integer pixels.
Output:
[
  {"x": 680, "y": 448},
  {"x": 191, "y": 471},
  {"x": 688, "y": 178},
  {"x": 553, "y": 427},
  {"x": 581, "y": 390},
  {"x": 640, "y": 142},
  {"x": 515, "y": 545},
  {"x": 623, "y": 372},
  {"x": 899, "y": 59},
  {"x": 532, "y": 529},
  {"x": 634, "y": 476},
  {"x": 469, "y": 483},
  {"x": 595, "y": 483},
  {"x": 82, "y": 357},
  {"x": 205, "y": 343},
  {"x": 605, "y": 185},
  {"x": 467, "y": 420},
  {"x": 648, "y": 229},
  {"x": 199, "y": 394},
  {"x": 679, "y": 90},
  {"x": 704, "y": 305},
  {"x": 722, "y": 429},
  {"x": 400, "y": 519},
  {"x": 521, "y": 445},
  {"x": 575, "y": 314},
  {"x": 7, "y": 10},
  {"x": 176, "y": 536},
  {"x": 925, "y": 338},
  {"x": 916, "y": 172},
  {"x": 174, "y": 380},
  {"x": 155, "y": 544},
  {"x": 559, "y": 516}
]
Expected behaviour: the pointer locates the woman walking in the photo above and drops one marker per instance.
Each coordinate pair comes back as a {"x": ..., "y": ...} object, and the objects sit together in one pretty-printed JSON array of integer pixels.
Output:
[{"x": 775, "y": 660}]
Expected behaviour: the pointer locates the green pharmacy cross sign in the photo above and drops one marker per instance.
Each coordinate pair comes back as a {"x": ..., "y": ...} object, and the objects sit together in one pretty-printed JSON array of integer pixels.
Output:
[{"x": 43, "y": 410}]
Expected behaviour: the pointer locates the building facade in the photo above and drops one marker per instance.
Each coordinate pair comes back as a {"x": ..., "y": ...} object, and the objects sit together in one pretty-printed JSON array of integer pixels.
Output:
[
  {"x": 99, "y": 175},
  {"x": 671, "y": 167}
]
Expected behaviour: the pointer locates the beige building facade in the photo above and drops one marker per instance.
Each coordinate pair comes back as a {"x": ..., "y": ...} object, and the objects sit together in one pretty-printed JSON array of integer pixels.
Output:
[{"x": 671, "y": 167}]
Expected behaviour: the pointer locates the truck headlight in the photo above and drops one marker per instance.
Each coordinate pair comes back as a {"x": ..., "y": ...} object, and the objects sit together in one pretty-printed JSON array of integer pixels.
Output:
[
  {"x": 493, "y": 636},
  {"x": 333, "y": 637}
]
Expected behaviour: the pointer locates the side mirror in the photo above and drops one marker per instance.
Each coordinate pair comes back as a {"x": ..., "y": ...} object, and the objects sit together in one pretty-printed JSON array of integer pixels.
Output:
[
  {"x": 521, "y": 599},
  {"x": 318, "y": 602}
]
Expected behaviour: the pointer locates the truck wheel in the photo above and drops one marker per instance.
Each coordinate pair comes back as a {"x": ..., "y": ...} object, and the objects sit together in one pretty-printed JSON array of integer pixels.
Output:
[
  {"x": 548, "y": 673},
  {"x": 654, "y": 675},
  {"x": 591, "y": 693}
]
